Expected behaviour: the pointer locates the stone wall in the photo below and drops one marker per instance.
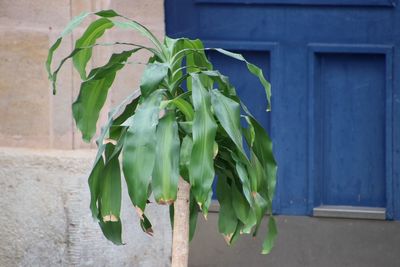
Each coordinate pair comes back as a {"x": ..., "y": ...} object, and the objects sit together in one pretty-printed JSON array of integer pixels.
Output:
[
  {"x": 43, "y": 162},
  {"x": 30, "y": 115}
]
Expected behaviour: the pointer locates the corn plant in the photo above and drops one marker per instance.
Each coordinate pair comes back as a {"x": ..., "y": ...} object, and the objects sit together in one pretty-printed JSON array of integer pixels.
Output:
[{"x": 185, "y": 121}]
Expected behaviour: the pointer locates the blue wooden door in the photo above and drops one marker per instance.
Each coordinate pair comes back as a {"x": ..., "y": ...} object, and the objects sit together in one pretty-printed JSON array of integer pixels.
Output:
[{"x": 334, "y": 70}]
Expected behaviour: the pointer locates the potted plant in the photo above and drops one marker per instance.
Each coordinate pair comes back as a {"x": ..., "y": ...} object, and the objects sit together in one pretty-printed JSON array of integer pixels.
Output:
[{"x": 183, "y": 128}]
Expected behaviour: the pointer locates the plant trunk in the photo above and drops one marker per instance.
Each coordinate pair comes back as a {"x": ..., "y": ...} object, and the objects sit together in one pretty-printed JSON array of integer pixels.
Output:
[{"x": 180, "y": 235}]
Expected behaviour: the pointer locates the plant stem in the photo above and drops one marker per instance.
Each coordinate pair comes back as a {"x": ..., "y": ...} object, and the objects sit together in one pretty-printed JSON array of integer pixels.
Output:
[{"x": 180, "y": 235}]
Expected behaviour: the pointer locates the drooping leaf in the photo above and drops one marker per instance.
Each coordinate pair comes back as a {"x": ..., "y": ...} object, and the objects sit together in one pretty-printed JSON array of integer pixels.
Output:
[
  {"x": 204, "y": 128},
  {"x": 75, "y": 22},
  {"x": 227, "y": 221},
  {"x": 227, "y": 112},
  {"x": 271, "y": 236},
  {"x": 95, "y": 30},
  {"x": 240, "y": 205},
  {"x": 146, "y": 226},
  {"x": 134, "y": 25},
  {"x": 262, "y": 148},
  {"x": 152, "y": 77},
  {"x": 138, "y": 154},
  {"x": 93, "y": 94},
  {"x": 110, "y": 193},
  {"x": 244, "y": 179},
  {"x": 185, "y": 155},
  {"x": 94, "y": 185},
  {"x": 193, "y": 214},
  {"x": 253, "y": 69},
  {"x": 260, "y": 207},
  {"x": 86, "y": 108},
  {"x": 166, "y": 169},
  {"x": 112, "y": 231}
]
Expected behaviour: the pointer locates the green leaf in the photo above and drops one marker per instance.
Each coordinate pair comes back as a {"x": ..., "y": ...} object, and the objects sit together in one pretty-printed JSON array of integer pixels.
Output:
[
  {"x": 260, "y": 207},
  {"x": 227, "y": 221},
  {"x": 227, "y": 112},
  {"x": 262, "y": 148},
  {"x": 152, "y": 77},
  {"x": 271, "y": 236},
  {"x": 94, "y": 185},
  {"x": 244, "y": 179},
  {"x": 110, "y": 193},
  {"x": 146, "y": 226},
  {"x": 253, "y": 69},
  {"x": 134, "y": 25},
  {"x": 185, "y": 155},
  {"x": 240, "y": 205},
  {"x": 204, "y": 128},
  {"x": 93, "y": 94},
  {"x": 86, "y": 108},
  {"x": 166, "y": 169},
  {"x": 185, "y": 107},
  {"x": 75, "y": 22},
  {"x": 112, "y": 231},
  {"x": 138, "y": 154},
  {"x": 95, "y": 30},
  {"x": 193, "y": 214}
]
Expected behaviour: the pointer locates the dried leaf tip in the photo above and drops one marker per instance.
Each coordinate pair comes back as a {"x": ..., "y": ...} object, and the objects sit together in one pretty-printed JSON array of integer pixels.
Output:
[
  {"x": 110, "y": 218},
  {"x": 228, "y": 238},
  {"x": 140, "y": 212}
]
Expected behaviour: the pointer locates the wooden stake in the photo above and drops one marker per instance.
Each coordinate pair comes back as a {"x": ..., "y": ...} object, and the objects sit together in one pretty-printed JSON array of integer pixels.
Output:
[{"x": 180, "y": 235}]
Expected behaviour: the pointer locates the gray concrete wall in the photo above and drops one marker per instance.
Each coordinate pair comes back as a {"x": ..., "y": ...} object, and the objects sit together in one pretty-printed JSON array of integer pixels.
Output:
[
  {"x": 47, "y": 222},
  {"x": 302, "y": 242}
]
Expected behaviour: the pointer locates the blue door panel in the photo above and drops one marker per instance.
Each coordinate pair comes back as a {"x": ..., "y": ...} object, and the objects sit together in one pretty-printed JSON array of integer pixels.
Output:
[
  {"x": 352, "y": 114},
  {"x": 333, "y": 66}
]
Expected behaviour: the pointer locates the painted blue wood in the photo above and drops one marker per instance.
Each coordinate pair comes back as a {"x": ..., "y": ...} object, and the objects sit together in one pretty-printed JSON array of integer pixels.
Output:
[
  {"x": 319, "y": 56},
  {"x": 305, "y": 2}
]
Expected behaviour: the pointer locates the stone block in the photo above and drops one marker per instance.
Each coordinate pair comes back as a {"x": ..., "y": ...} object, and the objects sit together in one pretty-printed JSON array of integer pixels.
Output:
[
  {"x": 24, "y": 90},
  {"x": 46, "y": 13}
]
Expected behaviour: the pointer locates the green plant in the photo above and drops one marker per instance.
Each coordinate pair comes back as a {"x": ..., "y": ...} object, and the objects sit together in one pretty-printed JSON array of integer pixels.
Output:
[{"x": 185, "y": 122}]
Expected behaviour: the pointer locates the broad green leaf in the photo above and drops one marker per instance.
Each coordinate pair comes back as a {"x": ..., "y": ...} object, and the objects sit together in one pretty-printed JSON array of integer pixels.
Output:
[
  {"x": 253, "y": 69},
  {"x": 94, "y": 185},
  {"x": 166, "y": 169},
  {"x": 110, "y": 193},
  {"x": 227, "y": 220},
  {"x": 271, "y": 236},
  {"x": 152, "y": 77},
  {"x": 227, "y": 112},
  {"x": 129, "y": 104},
  {"x": 240, "y": 205},
  {"x": 93, "y": 94},
  {"x": 204, "y": 128},
  {"x": 112, "y": 231},
  {"x": 86, "y": 108},
  {"x": 244, "y": 179},
  {"x": 260, "y": 207},
  {"x": 262, "y": 148},
  {"x": 138, "y": 154},
  {"x": 95, "y": 30},
  {"x": 185, "y": 155}
]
